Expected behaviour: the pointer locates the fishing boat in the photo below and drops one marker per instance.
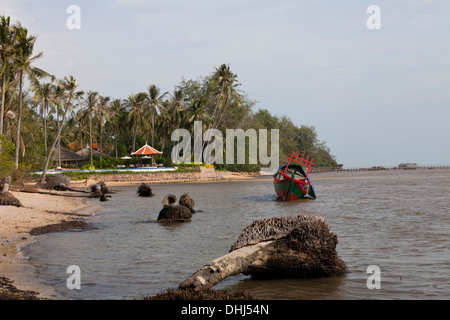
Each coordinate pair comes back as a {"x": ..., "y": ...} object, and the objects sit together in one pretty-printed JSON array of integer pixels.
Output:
[{"x": 291, "y": 182}]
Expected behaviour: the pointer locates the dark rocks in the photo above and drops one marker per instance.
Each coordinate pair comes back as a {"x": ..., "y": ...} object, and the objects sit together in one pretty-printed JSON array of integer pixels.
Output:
[
  {"x": 187, "y": 201},
  {"x": 62, "y": 226},
  {"x": 144, "y": 190},
  {"x": 7, "y": 199},
  {"x": 174, "y": 213}
]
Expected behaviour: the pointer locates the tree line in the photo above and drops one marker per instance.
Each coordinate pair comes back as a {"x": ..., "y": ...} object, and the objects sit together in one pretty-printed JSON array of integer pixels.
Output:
[{"x": 53, "y": 113}]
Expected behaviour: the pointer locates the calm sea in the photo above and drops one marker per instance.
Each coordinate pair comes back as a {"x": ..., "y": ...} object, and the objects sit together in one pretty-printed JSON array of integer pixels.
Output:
[{"x": 396, "y": 220}]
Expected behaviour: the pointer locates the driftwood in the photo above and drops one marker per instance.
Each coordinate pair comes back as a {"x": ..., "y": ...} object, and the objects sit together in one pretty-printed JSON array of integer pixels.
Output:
[
  {"x": 291, "y": 247},
  {"x": 56, "y": 192}
]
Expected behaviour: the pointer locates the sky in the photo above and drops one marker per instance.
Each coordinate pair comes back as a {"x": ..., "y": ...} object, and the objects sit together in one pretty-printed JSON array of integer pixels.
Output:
[{"x": 376, "y": 96}]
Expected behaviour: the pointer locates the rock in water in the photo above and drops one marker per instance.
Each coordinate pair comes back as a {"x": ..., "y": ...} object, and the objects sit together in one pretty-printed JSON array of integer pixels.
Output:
[
  {"x": 144, "y": 190},
  {"x": 99, "y": 189},
  {"x": 169, "y": 200},
  {"x": 174, "y": 213},
  {"x": 187, "y": 201}
]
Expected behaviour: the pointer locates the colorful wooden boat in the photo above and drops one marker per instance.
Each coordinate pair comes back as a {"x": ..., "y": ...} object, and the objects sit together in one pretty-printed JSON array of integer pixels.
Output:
[{"x": 291, "y": 182}]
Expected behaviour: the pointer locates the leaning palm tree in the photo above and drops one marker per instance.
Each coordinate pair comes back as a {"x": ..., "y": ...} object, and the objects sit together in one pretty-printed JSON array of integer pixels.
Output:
[
  {"x": 22, "y": 65},
  {"x": 69, "y": 86}
]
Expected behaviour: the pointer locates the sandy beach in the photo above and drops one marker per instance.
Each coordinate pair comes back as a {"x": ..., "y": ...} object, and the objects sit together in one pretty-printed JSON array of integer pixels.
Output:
[
  {"x": 40, "y": 210},
  {"x": 15, "y": 225}
]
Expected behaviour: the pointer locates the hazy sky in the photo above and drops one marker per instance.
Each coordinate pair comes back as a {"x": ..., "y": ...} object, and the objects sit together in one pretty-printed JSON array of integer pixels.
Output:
[{"x": 375, "y": 96}]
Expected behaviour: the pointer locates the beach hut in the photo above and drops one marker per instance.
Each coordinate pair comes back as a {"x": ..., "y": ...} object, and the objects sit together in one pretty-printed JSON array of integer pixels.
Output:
[
  {"x": 65, "y": 156},
  {"x": 145, "y": 152}
]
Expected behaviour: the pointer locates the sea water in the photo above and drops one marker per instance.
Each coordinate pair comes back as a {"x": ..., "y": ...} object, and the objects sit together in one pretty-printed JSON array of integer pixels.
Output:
[{"x": 395, "y": 220}]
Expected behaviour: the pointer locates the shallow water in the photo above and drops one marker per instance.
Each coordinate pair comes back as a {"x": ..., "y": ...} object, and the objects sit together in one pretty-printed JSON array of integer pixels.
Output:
[{"x": 397, "y": 220}]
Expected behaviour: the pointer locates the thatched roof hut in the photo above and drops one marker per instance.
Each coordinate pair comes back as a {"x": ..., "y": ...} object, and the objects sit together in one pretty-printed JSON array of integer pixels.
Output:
[{"x": 68, "y": 157}]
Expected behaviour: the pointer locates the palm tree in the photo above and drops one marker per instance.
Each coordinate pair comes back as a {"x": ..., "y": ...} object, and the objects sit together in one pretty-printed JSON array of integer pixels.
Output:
[
  {"x": 7, "y": 39},
  {"x": 22, "y": 65},
  {"x": 156, "y": 105},
  {"x": 117, "y": 109},
  {"x": 69, "y": 86},
  {"x": 43, "y": 95},
  {"x": 197, "y": 112},
  {"x": 137, "y": 114},
  {"x": 101, "y": 115},
  {"x": 58, "y": 98},
  {"x": 91, "y": 102},
  {"x": 224, "y": 91},
  {"x": 176, "y": 107}
]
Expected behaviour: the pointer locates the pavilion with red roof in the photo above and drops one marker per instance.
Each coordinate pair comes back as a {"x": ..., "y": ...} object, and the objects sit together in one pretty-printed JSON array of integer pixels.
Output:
[{"x": 146, "y": 151}]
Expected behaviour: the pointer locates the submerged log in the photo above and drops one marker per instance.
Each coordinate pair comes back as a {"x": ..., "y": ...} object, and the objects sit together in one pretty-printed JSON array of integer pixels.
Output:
[{"x": 293, "y": 247}]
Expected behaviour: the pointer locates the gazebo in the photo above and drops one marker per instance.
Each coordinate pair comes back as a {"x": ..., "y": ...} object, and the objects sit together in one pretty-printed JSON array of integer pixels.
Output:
[{"x": 146, "y": 151}]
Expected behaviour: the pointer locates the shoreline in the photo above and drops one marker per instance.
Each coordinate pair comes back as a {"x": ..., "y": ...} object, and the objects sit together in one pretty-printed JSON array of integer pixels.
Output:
[
  {"x": 18, "y": 275},
  {"x": 16, "y": 223}
]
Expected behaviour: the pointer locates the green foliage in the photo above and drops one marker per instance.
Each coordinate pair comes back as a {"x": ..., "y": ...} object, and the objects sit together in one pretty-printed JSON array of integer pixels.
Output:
[
  {"x": 6, "y": 157},
  {"x": 116, "y": 125}
]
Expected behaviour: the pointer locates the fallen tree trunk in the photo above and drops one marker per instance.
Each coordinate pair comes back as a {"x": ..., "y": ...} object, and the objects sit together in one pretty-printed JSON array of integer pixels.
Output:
[
  {"x": 231, "y": 264},
  {"x": 288, "y": 247},
  {"x": 57, "y": 193}
]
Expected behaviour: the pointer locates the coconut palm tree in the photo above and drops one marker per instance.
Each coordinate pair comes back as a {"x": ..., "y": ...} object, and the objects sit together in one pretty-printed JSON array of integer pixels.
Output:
[
  {"x": 7, "y": 40},
  {"x": 91, "y": 102},
  {"x": 69, "y": 86},
  {"x": 137, "y": 114},
  {"x": 156, "y": 105},
  {"x": 22, "y": 65},
  {"x": 225, "y": 91},
  {"x": 43, "y": 96},
  {"x": 176, "y": 107},
  {"x": 101, "y": 114},
  {"x": 117, "y": 109}
]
